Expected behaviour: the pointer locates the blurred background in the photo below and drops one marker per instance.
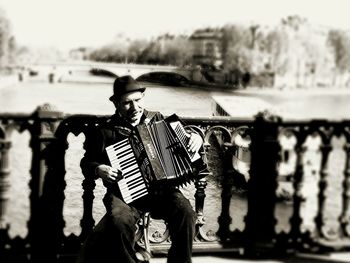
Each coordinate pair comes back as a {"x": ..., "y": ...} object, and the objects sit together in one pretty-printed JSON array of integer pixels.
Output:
[
  {"x": 289, "y": 44},
  {"x": 292, "y": 57}
]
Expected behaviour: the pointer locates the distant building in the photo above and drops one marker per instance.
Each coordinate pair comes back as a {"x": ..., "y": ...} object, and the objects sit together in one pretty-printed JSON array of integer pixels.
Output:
[
  {"x": 79, "y": 53},
  {"x": 207, "y": 47}
]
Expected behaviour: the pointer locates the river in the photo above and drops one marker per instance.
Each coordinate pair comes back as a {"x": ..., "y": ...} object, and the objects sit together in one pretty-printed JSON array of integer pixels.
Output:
[{"x": 77, "y": 95}]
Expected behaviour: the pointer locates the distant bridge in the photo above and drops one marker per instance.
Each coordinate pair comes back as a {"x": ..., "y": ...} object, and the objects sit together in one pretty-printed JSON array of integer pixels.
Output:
[{"x": 137, "y": 71}]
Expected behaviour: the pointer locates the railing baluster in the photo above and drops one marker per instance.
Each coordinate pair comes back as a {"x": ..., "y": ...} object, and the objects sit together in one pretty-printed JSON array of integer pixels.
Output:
[
  {"x": 296, "y": 219},
  {"x": 321, "y": 225},
  {"x": 200, "y": 184},
  {"x": 345, "y": 216},
  {"x": 87, "y": 222},
  {"x": 5, "y": 146},
  {"x": 225, "y": 218}
]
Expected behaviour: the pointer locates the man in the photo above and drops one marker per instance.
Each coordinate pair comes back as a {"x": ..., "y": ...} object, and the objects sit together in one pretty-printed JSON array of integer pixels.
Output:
[{"x": 113, "y": 239}]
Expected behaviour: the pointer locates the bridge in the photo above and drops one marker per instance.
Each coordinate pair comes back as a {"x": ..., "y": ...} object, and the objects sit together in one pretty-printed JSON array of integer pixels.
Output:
[
  {"x": 137, "y": 71},
  {"x": 273, "y": 143}
]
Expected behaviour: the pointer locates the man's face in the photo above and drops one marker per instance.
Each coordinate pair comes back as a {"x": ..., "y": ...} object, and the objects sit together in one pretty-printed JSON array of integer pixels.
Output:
[{"x": 130, "y": 106}]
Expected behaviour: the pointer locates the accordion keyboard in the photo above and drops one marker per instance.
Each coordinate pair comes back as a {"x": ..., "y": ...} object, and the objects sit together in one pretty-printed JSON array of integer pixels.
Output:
[{"x": 122, "y": 157}]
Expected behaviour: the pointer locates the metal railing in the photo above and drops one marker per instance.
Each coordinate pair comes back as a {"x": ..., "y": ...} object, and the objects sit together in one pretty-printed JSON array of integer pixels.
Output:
[{"x": 259, "y": 168}]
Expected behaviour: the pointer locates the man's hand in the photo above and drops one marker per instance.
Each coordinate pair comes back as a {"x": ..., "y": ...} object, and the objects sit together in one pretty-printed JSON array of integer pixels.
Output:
[
  {"x": 108, "y": 173},
  {"x": 195, "y": 142}
]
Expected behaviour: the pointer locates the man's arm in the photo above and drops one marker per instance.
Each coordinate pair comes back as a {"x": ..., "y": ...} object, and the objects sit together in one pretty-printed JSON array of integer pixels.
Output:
[{"x": 93, "y": 163}]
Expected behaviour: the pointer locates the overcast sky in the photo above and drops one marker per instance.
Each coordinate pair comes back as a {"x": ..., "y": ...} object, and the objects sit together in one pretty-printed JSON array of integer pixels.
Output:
[{"x": 72, "y": 23}]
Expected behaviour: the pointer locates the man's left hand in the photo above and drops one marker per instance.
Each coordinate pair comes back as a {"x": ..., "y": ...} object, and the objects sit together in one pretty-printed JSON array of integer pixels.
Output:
[{"x": 195, "y": 142}]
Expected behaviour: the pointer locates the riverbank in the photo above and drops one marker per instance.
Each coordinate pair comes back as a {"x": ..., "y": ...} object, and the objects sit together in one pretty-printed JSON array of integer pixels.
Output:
[
  {"x": 308, "y": 103},
  {"x": 295, "y": 91}
]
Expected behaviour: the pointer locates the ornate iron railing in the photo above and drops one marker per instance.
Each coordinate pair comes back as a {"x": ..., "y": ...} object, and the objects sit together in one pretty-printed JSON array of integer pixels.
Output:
[{"x": 258, "y": 169}]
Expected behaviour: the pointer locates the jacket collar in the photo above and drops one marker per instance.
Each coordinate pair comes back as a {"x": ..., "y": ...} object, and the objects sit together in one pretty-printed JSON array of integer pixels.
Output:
[{"x": 119, "y": 121}]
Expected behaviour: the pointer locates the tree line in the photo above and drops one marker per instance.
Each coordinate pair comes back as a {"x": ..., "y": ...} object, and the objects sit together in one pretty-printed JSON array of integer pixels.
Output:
[
  {"x": 294, "y": 48},
  {"x": 8, "y": 45}
]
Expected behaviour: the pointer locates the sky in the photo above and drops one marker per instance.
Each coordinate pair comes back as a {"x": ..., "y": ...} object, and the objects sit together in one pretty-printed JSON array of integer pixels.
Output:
[{"x": 72, "y": 23}]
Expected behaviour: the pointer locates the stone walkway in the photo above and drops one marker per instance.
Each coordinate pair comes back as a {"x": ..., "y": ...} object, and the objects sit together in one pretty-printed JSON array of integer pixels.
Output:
[
  {"x": 215, "y": 259},
  {"x": 338, "y": 257}
]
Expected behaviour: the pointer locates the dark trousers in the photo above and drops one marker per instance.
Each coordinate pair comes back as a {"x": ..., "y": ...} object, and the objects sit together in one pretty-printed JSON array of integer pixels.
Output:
[{"x": 113, "y": 238}]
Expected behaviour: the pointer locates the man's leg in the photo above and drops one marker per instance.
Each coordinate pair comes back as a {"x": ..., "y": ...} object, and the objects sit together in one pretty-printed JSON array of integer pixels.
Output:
[
  {"x": 94, "y": 248},
  {"x": 113, "y": 238},
  {"x": 123, "y": 225},
  {"x": 181, "y": 218}
]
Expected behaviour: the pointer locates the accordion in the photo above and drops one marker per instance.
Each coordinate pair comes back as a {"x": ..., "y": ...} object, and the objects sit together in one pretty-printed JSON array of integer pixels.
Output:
[{"x": 153, "y": 156}]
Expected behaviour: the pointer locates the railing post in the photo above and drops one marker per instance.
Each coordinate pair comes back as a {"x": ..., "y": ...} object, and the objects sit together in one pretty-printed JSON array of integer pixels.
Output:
[
  {"x": 260, "y": 220},
  {"x": 41, "y": 234},
  {"x": 5, "y": 146},
  {"x": 345, "y": 222},
  {"x": 200, "y": 195},
  {"x": 225, "y": 218},
  {"x": 296, "y": 219},
  {"x": 326, "y": 148},
  {"x": 87, "y": 222}
]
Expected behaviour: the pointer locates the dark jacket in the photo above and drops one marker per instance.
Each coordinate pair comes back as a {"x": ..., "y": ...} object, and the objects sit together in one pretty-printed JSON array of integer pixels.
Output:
[{"x": 111, "y": 131}]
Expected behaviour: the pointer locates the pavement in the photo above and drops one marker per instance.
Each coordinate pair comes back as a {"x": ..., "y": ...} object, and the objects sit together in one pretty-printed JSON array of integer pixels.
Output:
[
  {"x": 215, "y": 259},
  {"x": 337, "y": 257}
]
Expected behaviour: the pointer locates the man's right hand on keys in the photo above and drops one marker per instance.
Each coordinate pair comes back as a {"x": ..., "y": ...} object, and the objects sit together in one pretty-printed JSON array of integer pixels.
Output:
[{"x": 108, "y": 173}]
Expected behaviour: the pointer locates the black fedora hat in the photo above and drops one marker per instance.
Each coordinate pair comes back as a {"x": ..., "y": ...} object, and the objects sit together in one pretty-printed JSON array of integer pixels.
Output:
[{"x": 123, "y": 85}]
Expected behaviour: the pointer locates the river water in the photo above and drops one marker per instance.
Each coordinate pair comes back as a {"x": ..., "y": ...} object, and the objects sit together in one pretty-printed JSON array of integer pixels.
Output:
[{"x": 77, "y": 95}]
